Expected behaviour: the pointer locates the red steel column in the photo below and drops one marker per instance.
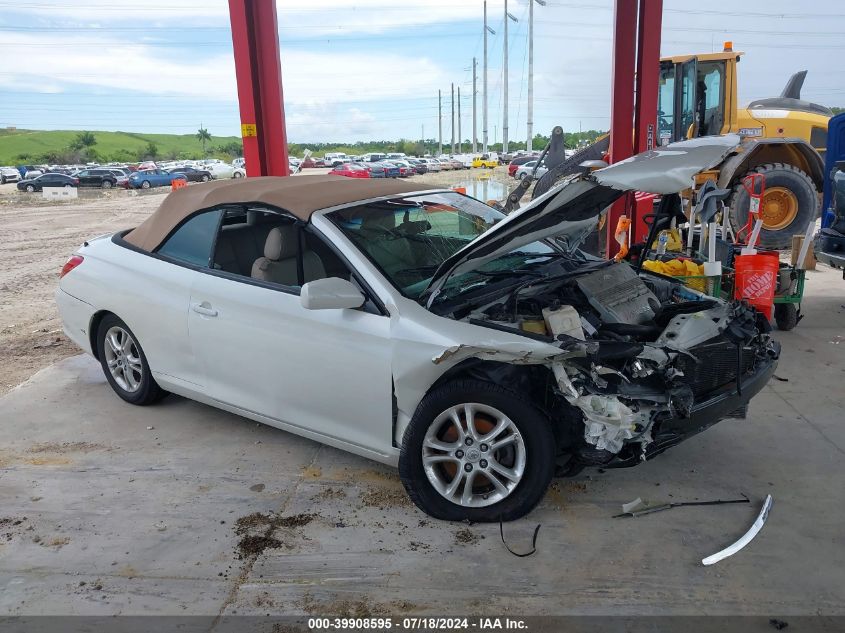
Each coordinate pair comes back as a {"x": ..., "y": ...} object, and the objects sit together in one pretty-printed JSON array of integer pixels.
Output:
[
  {"x": 622, "y": 102},
  {"x": 648, "y": 75},
  {"x": 258, "y": 68},
  {"x": 645, "y": 111}
]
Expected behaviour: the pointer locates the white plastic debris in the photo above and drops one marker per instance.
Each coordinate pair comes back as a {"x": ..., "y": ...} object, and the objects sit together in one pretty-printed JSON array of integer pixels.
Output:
[{"x": 746, "y": 538}]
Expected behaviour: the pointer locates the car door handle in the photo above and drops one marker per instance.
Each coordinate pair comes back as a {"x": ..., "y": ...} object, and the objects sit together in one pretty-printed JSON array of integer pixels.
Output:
[{"x": 204, "y": 309}]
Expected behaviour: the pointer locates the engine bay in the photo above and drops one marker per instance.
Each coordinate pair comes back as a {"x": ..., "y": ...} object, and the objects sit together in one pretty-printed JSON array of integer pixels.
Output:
[{"x": 642, "y": 348}]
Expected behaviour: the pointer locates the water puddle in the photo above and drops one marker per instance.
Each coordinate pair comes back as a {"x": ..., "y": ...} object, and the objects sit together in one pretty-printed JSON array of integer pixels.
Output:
[{"x": 484, "y": 189}]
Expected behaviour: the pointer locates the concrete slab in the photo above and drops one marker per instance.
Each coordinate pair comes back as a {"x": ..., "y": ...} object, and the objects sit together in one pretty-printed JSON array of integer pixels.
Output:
[{"x": 145, "y": 518}]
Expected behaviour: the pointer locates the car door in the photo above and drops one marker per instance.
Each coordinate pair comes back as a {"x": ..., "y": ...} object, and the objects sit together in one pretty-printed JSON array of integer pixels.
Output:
[
  {"x": 84, "y": 177},
  {"x": 51, "y": 180},
  {"x": 323, "y": 371},
  {"x": 167, "y": 286},
  {"x": 161, "y": 178}
]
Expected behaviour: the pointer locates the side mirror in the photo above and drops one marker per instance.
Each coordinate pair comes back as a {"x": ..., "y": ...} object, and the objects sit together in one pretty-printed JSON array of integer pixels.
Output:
[{"x": 332, "y": 293}]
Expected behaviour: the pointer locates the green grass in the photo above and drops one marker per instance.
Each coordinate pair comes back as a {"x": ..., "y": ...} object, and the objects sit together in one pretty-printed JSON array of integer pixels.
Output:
[{"x": 110, "y": 145}]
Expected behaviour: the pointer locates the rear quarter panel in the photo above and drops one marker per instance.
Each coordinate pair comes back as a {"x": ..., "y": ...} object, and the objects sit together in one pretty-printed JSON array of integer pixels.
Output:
[{"x": 149, "y": 294}]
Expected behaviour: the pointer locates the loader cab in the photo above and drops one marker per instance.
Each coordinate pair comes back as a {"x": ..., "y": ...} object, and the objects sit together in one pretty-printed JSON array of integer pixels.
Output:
[{"x": 696, "y": 96}]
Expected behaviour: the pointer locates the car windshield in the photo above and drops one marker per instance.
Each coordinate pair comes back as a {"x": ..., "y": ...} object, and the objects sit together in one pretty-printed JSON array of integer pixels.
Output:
[{"x": 409, "y": 238}]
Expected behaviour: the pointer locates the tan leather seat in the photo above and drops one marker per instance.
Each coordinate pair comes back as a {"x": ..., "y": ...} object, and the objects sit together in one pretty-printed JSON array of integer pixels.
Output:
[
  {"x": 279, "y": 262},
  {"x": 391, "y": 253}
]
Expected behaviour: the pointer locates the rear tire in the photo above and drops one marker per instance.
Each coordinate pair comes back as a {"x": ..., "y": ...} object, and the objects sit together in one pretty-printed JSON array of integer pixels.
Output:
[
  {"x": 786, "y": 316},
  {"x": 527, "y": 455},
  {"x": 125, "y": 364},
  {"x": 786, "y": 177},
  {"x": 107, "y": 184}
]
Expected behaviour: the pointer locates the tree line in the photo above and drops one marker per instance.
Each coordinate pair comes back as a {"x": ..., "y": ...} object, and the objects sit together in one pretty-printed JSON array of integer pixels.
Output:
[{"x": 83, "y": 148}]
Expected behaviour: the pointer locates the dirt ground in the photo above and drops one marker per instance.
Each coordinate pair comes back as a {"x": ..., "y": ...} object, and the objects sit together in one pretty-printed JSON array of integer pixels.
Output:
[{"x": 37, "y": 237}]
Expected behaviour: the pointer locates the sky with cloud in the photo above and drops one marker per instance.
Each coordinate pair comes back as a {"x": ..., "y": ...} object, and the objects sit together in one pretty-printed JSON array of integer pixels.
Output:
[{"x": 371, "y": 69}]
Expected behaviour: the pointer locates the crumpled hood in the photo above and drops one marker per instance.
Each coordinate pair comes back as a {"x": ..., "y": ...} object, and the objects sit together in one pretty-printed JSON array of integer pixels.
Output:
[{"x": 577, "y": 200}]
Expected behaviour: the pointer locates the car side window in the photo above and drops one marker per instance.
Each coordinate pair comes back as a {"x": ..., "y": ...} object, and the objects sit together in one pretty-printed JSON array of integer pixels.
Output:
[
  {"x": 270, "y": 247},
  {"x": 193, "y": 240}
]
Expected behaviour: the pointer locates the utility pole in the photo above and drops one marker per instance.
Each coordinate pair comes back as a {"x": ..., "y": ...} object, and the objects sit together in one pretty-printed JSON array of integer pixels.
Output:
[
  {"x": 542, "y": 3},
  {"x": 459, "y": 121},
  {"x": 440, "y": 123},
  {"x": 505, "y": 87},
  {"x": 474, "y": 94},
  {"x": 453, "y": 118},
  {"x": 487, "y": 29}
]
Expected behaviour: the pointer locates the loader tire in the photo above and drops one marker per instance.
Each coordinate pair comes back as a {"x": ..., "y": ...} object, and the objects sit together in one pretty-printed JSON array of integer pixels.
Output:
[{"x": 789, "y": 203}]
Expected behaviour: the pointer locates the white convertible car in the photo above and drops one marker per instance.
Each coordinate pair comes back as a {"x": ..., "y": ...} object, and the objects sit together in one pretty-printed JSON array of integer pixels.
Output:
[{"x": 422, "y": 329}]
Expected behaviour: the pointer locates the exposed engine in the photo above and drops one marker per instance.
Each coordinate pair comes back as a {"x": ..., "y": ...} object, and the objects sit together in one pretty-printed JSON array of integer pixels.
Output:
[{"x": 642, "y": 349}]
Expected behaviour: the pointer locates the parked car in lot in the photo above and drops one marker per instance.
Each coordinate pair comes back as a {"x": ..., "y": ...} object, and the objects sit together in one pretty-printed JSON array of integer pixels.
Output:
[
  {"x": 220, "y": 170},
  {"x": 350, "y": 170},
  {"x": 518, "y": 162},
  {"x": 9, "y": 174},
  {"x": 405, "y": 168},
  {"x": 485, "y": 160},
  {"x": 432, "y": 164},
  {"x": 390, "y": 170},
  {"x": 192, "y": 174},
  {"x": 103, "y": 178},
  {"x": 46, "y": 180},
  {"x": 411, "y": 306},
  {"x": 148, "y": 178},
  {"x": 527, "y": 169},
  {"x": 376, "y": 170},
  {"x": 333, "y": 159},
  {"x": 419, "y": 165}
]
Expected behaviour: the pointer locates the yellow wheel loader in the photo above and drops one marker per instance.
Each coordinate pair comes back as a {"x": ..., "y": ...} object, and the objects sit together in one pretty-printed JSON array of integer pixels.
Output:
[{"x": 782, "y": 137}]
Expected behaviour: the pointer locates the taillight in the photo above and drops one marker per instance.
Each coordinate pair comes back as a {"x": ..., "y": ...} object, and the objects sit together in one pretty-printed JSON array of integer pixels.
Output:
[{"x": 70, "y": 264}]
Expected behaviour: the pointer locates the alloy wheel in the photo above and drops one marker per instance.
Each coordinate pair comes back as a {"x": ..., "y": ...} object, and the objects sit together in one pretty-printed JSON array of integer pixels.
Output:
[
  {"x": 473, "y": 455},
  {"x": 123, "y": 359}
]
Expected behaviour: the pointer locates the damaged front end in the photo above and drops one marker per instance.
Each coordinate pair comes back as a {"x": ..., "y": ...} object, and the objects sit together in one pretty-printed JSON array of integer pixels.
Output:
[
  {"x": 636, "y": 361},
  {"x": 645, "y": 361}
]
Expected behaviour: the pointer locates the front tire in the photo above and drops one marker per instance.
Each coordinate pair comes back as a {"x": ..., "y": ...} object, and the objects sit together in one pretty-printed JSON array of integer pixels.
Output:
[
  {"x": 124, "y": 363},
  {"x": 107, "y": 184},
  {"x": 205, "y": 178},
  {"x": 789, "y": 203},
  {"x": 145, "y": 184},
  {"x": 30, "y": 189},
  {"x": 470, "y": 432}
]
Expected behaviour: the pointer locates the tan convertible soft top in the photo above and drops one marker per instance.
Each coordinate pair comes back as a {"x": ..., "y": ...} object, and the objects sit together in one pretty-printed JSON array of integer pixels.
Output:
[{"x": 299, "y": 195}]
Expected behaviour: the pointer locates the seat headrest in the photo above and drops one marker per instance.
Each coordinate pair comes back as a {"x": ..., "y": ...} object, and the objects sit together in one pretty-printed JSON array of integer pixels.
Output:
[{"x": 280, "y": 243}]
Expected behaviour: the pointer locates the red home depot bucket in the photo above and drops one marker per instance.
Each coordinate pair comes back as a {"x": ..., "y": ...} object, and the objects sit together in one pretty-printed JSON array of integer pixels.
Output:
[{"x": 756, "y": 279}]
